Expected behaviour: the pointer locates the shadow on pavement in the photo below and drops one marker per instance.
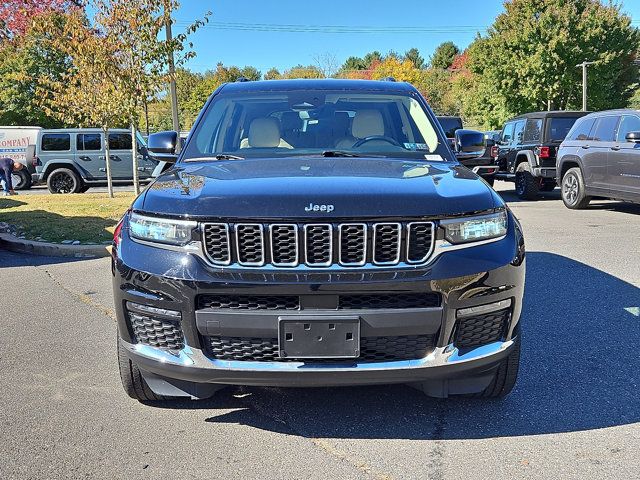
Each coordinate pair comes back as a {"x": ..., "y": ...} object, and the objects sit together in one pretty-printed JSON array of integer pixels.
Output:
[
  {"x": 511, "y": 197},
  {"x": 580, "y": 371},
  {"x": 10, "y": 259}
]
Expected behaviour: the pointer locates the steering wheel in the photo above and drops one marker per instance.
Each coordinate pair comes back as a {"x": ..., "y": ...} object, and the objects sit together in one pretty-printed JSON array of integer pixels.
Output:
[{"x": 371, "y": 138}]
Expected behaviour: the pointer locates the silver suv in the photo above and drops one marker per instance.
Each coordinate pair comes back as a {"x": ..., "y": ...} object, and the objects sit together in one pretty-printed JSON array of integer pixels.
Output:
[
  {"x": 72, "y": 160},
  {"x": 600, "y": 157}
]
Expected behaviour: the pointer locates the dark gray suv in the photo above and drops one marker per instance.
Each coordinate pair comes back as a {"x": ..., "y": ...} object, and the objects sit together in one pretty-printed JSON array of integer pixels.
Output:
[{"x": 601, "y": 158}]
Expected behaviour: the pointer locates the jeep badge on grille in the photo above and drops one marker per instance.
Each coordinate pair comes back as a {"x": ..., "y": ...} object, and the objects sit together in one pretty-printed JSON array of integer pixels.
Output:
[{"x": 313, "y": 207}]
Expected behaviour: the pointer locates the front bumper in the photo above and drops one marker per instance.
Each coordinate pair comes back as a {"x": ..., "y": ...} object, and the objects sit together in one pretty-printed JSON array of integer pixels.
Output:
[{"x": 463, "y": 279}]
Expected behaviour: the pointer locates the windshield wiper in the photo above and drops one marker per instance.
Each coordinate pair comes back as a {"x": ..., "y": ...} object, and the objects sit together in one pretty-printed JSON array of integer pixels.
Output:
[
  {"x": 338, "y": 153},
  {"x": 219, "y": 156}
]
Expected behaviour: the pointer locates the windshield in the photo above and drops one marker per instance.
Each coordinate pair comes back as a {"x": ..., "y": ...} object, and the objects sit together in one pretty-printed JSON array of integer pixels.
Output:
[
  {"x": 254, "y": 124},
  {"x": 559, "y": 127}
]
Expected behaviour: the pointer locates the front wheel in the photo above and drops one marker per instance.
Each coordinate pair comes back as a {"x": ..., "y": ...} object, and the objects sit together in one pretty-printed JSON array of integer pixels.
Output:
[
  {"x": 506, "y": 375},
  {"x": 132, "y": 381},
  {"x": 574, "y": 195},
  {"x": 64, "y": 180}
]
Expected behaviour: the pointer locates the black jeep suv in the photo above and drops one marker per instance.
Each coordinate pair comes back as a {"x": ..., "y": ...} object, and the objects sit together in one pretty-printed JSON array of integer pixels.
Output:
[
  {"x": 314, "y": 233},
  {"x": 526, "y": 151}
]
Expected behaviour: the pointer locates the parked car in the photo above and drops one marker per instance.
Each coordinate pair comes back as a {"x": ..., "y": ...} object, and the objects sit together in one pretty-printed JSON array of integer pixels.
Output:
[
  {"x": 483, "y": 165},
  {"x": 73, "y": 160},
  {"x": 14, "y": 142},
  {"x": 353, "y": 250},
  {"x": 526, "y": 152},
  {"x": 601, "y": 158}
]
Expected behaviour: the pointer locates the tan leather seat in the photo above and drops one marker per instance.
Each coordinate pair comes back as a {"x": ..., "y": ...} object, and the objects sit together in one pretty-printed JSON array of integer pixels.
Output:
[
  {"x": 366, "y": 123},
  {"x": 264, "y": 133}
]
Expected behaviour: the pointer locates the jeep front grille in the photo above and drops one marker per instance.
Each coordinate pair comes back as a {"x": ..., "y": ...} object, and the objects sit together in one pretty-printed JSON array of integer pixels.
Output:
[{"x": 318, "y": 245}]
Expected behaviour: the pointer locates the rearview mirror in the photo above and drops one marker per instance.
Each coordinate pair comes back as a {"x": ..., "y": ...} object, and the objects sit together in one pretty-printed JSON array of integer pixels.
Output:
[
  {"x": 633, "y": 137},
  {"x": 469, "y": 144},
  {"x": 162, "y": 146}
]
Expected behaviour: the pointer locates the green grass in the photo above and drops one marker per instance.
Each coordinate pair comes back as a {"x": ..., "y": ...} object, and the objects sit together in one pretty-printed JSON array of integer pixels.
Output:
[{"x": 87, "y": 217}]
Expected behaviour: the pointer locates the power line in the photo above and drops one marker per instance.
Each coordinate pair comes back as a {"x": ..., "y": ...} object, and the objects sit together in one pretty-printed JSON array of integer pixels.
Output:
[{"x": 299, "y": 28}]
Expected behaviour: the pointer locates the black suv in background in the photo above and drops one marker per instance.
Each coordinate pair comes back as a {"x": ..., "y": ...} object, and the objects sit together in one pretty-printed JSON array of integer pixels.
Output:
[
  {"x": 601, "y": 157},
  {"x": 526, "y": 152},
  {"x": 315, "y": 233},
  {"x": 483, "y": 164}
]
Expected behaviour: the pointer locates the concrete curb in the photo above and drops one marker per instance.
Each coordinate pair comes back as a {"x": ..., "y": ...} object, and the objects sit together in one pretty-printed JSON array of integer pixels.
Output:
[{"x": 15, "y": 244}]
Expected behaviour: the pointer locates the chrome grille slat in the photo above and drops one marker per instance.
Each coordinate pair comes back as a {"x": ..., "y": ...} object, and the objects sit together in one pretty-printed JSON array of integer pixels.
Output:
[
  {"x": 318, "y": 245},
  {"x": 250, "y": 244},
  {"x": 419, "y": 241},
  {"x": 283, "y": 238},
  {"x": 352, "y": 244},
  {"x": 387, "y": 242}
]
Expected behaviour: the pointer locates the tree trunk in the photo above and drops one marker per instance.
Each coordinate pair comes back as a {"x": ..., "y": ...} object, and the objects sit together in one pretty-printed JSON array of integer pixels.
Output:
[
  {"x": 134, "y": 156},
  {"x": 107, "y": 160}
]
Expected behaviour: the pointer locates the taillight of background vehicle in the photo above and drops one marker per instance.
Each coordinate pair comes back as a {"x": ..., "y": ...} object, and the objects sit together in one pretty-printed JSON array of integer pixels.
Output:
[
  {"x": 494, "y": 151},
  {"x": 543, "y": 152},
  {"x": 35, "y": 161}
]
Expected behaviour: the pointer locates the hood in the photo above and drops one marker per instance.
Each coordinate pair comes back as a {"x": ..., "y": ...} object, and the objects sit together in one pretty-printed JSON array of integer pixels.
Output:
[{"x": 291, "y": 187}]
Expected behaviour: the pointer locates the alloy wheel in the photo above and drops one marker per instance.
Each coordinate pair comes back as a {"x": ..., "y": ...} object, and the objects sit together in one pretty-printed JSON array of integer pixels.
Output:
[
  {"x": 62, "y": 183},
  {"x": 570, "y": 189}
]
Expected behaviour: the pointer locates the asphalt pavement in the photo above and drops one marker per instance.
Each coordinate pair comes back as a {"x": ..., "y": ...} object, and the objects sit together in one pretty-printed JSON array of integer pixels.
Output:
[{"x": 574, "y": 414}]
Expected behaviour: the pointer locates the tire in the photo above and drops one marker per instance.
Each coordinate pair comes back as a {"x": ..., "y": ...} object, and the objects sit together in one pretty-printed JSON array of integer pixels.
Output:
[
  {"x": 21, "y": 180},
  {"x": 548, "y": 186},
  {"x": 527, "y": 186},
  {"x": 64, "y": 180},
  {"x": 506, "y": 376},
  {"x": 573, "y": 191},
  {"x": 133, "y": 382}
]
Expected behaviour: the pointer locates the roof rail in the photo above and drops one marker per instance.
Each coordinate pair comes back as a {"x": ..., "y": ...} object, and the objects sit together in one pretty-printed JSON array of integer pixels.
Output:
[{"x": 388, "y": 79}]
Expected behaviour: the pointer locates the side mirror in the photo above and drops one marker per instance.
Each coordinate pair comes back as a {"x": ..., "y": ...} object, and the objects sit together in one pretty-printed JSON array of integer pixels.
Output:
[
  {"x": 469, "y": 144},
  {"x": 633, "y": 137},
  {"x": 162, "y": 146}
]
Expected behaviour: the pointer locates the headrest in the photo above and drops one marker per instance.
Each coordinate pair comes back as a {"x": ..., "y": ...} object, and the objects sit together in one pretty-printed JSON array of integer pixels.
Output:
[
  {"x": 264, "y": 133},
  {"x": 367, "y": 123},
  {"x": 340, "y": 122}
]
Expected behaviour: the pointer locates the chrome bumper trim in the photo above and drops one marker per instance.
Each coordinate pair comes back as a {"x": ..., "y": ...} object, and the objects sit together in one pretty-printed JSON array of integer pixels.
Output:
[{"x": 440, "y": 356}]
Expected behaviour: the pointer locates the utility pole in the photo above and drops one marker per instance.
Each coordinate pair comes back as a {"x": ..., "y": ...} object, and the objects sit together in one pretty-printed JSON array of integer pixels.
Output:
[
  {"x": 172, "y": 72},
  {"x": 584, "y": 66}
]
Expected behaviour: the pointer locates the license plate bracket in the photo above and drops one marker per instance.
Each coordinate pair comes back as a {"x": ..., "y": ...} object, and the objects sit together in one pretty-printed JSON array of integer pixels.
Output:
[{"x": 319, "y": 337}]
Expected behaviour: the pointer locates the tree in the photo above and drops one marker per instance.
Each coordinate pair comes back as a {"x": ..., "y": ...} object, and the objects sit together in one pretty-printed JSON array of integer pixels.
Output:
[
  {"x": 135, "y": 27},
  {"x": 272, "y": 74},
  {"x": 300, "y": 71},
  {"x": 91, "y": 92},
  {"x": 16, "y": 16},
  {"x": 401, "y": 71},
  {"x": 26, "y": 60},
  {"x": 443, "y": 55},
  {"x": 413, "y": 55},
  {"x": 327, "y": 63},
  {"x": 351, "y": 64},
  {"x": 372, "y": 58},
  {"x": 540, "y": 42}
]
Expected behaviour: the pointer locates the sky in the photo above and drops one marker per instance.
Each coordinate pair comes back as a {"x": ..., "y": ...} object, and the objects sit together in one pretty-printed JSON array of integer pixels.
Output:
[{"x": 284, "y": 33}]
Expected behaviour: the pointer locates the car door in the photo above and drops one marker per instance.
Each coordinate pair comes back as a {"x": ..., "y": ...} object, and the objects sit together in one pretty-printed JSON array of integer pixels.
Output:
[
  {"x": 55, "y": 147},
  {"x": 516, "y": 144},
  {"x": 596, "y": 152},
  {"x": 89, "y": 155},
  {"x": 120, "y": 152},
  {"x": 625, "y": 157},
  {"x": 504, "y": 145}
]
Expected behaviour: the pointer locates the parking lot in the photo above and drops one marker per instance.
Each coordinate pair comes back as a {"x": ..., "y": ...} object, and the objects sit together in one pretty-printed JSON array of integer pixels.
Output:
[{"x": 575, "y": 412}]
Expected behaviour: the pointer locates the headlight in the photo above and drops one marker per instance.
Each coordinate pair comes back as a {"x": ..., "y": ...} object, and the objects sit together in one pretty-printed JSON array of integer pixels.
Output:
[
  {"x": 161, "y": 230},
  {"x": 475, "y": 229}
]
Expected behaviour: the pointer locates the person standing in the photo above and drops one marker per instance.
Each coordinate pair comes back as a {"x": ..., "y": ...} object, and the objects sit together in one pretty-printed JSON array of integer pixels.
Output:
[{"x": 7, "y": 167}]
